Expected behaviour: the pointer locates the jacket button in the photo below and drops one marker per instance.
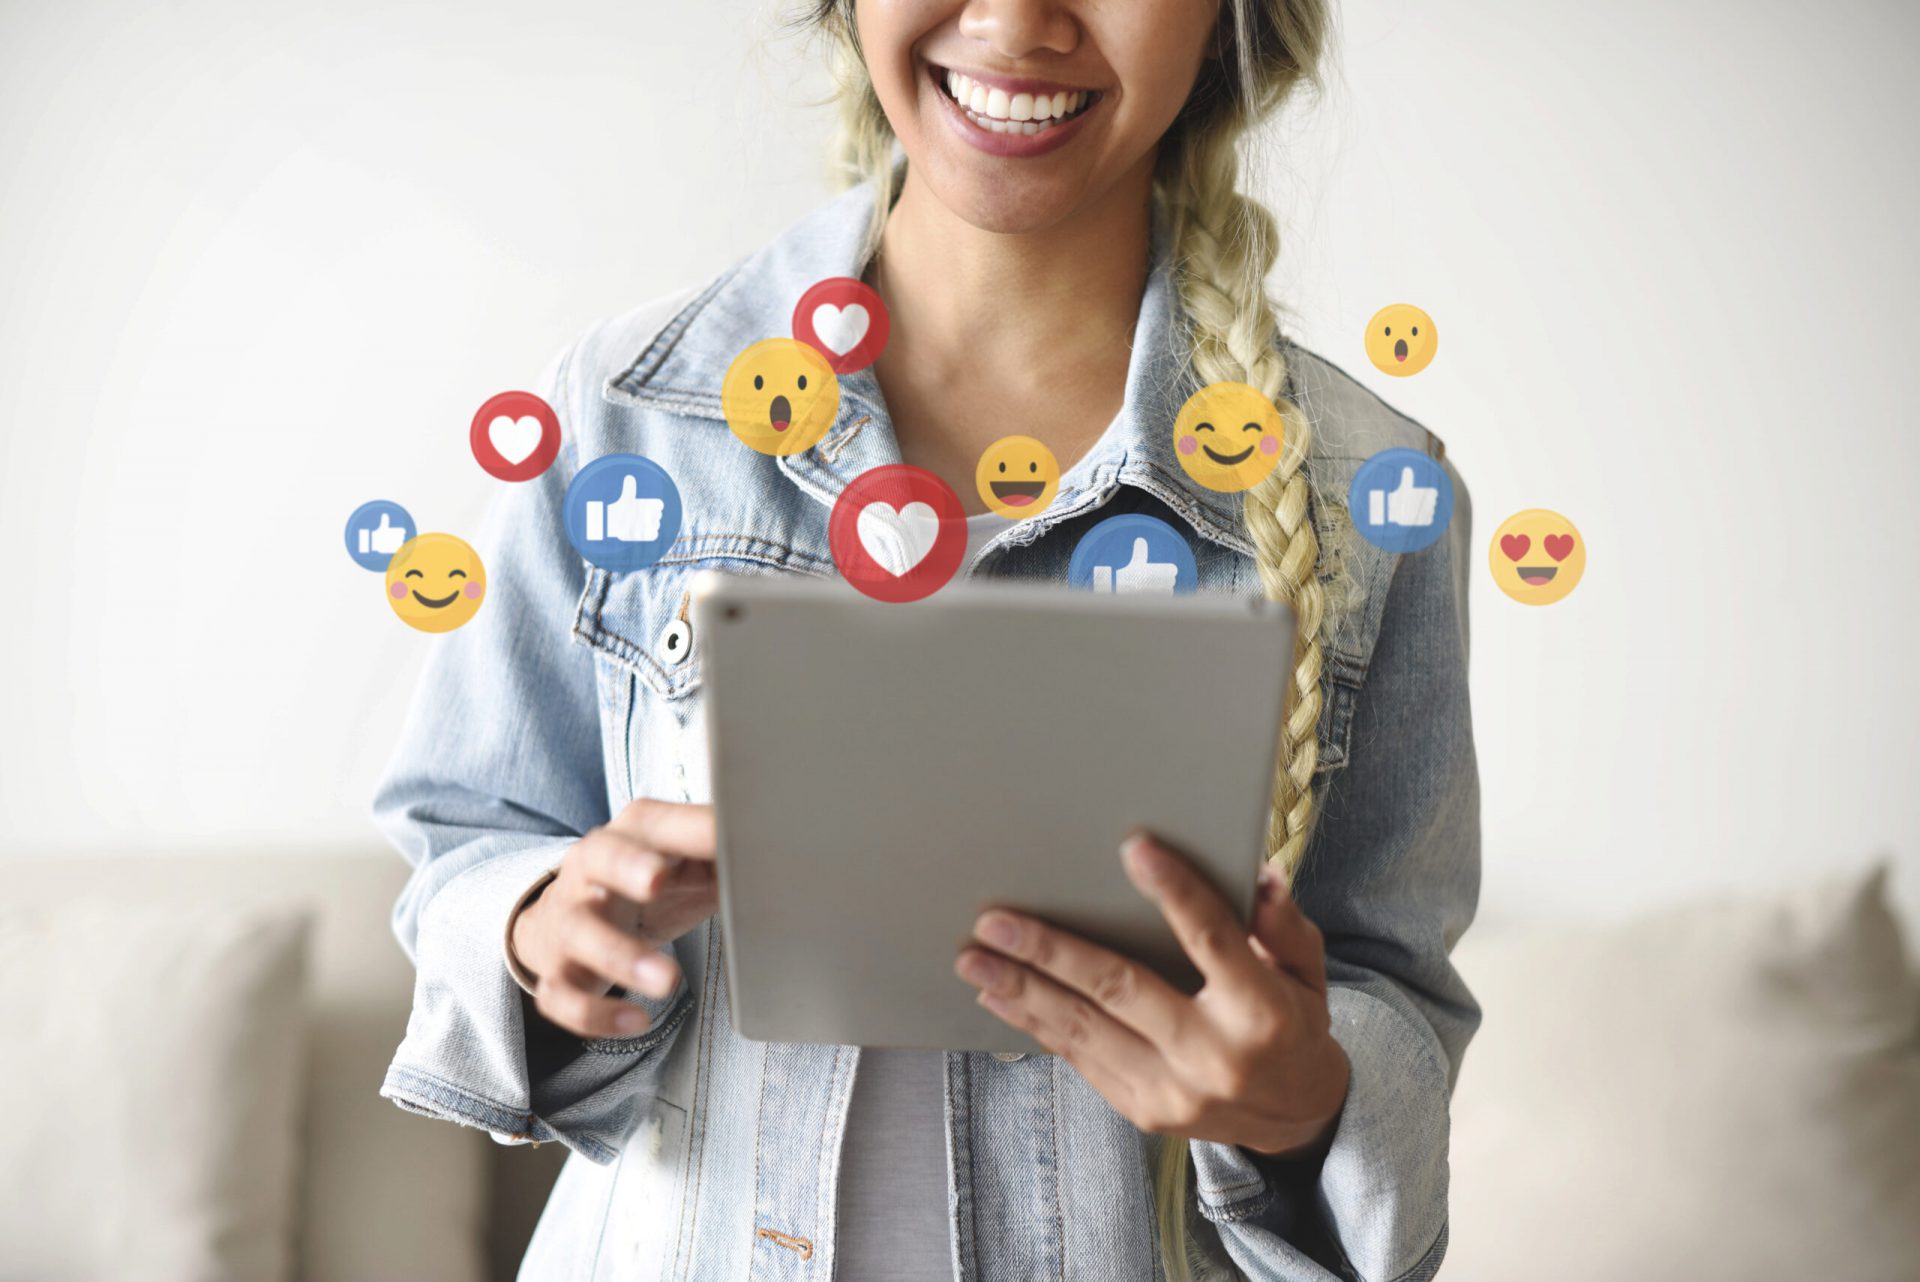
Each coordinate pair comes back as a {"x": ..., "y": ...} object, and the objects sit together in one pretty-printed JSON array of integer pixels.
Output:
[
  {"x": 1009, "y": 1057},
  {"x": 675, "y": 642}
]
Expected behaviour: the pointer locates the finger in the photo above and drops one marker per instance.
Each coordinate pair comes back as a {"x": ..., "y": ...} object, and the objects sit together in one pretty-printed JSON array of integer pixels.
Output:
[
  {"x": 1205, "y": 925},
  {"x": 682, "y": 831},
  {"x": 592, "y": 942},
  {"x": 1292, "y": 940},
  {"x": 567, "y": 1000},
  {"x": 1131, "y": 993},
  {"x": 616, "y": 861},
  {"x": 1063, "y": 1021}
]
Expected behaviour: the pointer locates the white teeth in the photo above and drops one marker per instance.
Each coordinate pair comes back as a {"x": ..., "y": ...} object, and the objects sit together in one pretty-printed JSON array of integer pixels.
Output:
[{"x": 1002, "y": 112}]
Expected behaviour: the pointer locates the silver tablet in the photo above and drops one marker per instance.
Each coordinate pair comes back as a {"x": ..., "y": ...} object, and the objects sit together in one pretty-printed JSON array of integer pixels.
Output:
[{"x": 882, "y": 773}]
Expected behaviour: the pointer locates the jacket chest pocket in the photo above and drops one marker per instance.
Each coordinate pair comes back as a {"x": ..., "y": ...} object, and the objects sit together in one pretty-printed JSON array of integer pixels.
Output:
[{"x": 640, "y": 627}]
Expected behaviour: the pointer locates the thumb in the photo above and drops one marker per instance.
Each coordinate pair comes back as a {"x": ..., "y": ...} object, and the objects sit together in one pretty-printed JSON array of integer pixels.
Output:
[
  {"x": 1139, "y": 552},
  {"x": 386, "y": 520},
  {"x": 630, "y": 489},
  {"x": 1406, "y": 480},
  {"x": 1284, "y": 932}
]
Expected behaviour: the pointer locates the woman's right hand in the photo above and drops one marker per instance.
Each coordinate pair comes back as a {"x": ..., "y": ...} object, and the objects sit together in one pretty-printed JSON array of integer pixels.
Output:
[{"x": 623, "y": 892}]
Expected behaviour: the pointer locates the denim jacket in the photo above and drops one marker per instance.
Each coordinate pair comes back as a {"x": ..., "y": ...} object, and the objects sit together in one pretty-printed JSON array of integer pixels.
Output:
[{"x": 698, "y": 1154}]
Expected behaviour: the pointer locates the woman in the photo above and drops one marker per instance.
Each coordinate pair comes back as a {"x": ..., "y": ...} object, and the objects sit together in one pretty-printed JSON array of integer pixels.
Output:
[{"x": 1075, "y": 263}]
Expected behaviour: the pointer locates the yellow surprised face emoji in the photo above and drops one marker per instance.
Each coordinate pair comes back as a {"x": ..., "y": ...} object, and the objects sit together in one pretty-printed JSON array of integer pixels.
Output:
[
  {"x": 435, "y": 583},
  {"x": 1401, "y": 340},
  {"x": 1537, "y": 557},
  {"x": 1017, "y": 476},
  {"x": 1228, "y": 437},
  {"x": 780, "y": 396}
]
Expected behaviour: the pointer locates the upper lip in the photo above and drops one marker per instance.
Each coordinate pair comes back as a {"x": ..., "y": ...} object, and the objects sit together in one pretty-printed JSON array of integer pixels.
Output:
[{"x": 1012, "y": 84}]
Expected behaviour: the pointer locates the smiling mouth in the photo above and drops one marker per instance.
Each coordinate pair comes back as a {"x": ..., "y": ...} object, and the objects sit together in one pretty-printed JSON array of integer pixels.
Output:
[
  {"x": 992, "y": 108},
  {"x": 780, "y": 413},
  {"x": 1227, "y": 460},
  {"x": 440, "y": 604},
  {"x": 1535, "y": 576},
  {"x": 1017, "y": 493}
]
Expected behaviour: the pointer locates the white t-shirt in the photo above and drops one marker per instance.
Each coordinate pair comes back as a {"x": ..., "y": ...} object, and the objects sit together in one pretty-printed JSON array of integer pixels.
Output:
[{"x": 893, "y": 1219}]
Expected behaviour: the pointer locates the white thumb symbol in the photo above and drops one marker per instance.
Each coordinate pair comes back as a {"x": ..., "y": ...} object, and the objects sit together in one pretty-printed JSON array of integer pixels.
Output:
[
  {"x": 387, "y": 539},
  {"x": 1411, "y": 504}
]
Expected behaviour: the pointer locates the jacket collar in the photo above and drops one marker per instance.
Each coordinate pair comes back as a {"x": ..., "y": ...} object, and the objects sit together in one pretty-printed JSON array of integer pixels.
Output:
[{"x": 681, "y": 370}]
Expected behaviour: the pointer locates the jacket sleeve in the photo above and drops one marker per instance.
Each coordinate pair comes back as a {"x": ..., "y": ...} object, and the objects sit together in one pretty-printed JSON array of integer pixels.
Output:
[
  {"x": 1391, "y": 878},
  {"x": 499, "y": 770}
]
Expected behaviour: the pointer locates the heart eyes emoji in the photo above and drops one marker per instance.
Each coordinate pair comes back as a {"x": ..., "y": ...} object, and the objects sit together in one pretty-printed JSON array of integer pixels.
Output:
[
  {"x": 1559, "y": 546},
  {"x": 1542, "y": 576}
]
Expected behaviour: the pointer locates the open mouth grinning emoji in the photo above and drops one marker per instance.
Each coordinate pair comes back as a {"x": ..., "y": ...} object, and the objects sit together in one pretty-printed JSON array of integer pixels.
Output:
[{"x": 1017, "y": 476}]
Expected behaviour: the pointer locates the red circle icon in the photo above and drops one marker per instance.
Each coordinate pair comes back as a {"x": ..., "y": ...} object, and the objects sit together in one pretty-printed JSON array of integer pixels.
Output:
[
  {"x": 844, "y": 321},
  {"x": 515, "y": 436},
  {"x": 897, "y": 533}
]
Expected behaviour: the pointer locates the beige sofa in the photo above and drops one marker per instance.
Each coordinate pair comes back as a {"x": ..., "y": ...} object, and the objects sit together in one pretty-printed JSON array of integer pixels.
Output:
[{"x": 1724, "y": 1090}]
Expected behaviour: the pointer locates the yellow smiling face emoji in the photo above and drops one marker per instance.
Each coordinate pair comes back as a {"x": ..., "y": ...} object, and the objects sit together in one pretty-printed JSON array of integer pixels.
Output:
[
  {"x": 1401, "y": 340},
  {"x": 1017, "y": 476},
  {"x": 436, "y": 583},
  {"x": 780, "y": 396},
  {"x": 1537, "y": 557},
  {"x": 1228, "y": 437}
]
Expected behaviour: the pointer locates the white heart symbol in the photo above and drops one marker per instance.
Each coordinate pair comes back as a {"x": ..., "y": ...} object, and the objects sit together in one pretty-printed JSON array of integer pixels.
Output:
[
  {"x": 515, "y": 438},
  {"x": 897, "y": 540},
  {"x": 841, "y": 329}
]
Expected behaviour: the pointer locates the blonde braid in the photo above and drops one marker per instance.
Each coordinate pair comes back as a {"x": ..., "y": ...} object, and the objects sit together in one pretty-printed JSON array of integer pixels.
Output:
[{"x": 1223, "y": 246}]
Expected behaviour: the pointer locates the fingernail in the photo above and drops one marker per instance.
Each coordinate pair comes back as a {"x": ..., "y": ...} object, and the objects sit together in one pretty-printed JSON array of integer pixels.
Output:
[
  {"x": 999, "y": 930},
  {"x": 1140, "y": 856},
  {"x": 630, "y": 1021},
  {"x": 978, "y": 968},
  {"x": 653, "y": 969}
]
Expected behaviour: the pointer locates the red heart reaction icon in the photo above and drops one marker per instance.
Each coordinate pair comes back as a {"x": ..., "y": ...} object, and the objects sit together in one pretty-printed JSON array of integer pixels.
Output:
[
  {"x": 1515, "y": 545},
  {"x": 1559, "y": 546}
]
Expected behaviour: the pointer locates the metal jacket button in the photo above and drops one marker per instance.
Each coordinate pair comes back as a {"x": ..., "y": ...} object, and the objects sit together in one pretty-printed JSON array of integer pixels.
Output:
[
  {"x": 675, "y": 642},
  {"x": 1009, "y": 1057}
]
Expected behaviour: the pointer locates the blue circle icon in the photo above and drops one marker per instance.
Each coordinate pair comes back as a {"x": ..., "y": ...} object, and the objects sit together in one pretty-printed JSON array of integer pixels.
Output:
[
  {"x": 375, "y": 532},
  {"x": 1401, "y": 500},
  {"x": 622, "y": 512},
  {"x": 1133, "y": 554}
]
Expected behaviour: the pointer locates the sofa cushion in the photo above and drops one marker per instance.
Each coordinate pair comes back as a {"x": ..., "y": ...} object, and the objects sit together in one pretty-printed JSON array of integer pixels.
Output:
[
  {"x": 151, "y": 1067},
  {"x": 1724, "y": 1091}
]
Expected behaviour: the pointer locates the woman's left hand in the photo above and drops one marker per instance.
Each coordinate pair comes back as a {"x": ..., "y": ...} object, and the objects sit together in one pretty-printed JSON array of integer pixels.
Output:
[{"x": 1247, "y": 1060}]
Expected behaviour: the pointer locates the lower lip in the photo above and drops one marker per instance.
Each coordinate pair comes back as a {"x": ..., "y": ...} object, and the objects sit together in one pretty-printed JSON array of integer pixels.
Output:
[
  {"x": 779, "y": 425},
  {"x": 1006, "y": 144}
]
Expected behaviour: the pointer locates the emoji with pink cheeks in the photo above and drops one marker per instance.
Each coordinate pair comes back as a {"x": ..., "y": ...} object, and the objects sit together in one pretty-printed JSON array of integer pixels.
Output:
[
  {"x": 1228, "y": 437},
  {"x": 435, "y": 583},
  {"x": 1537, "y": 557}
]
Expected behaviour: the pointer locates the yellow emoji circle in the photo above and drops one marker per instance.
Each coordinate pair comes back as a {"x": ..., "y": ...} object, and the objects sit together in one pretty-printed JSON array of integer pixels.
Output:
[
  {"x": 1017, "y": 476},
  {"x": 1401, "y": 340},
  {"x": 1228, "y": 437},
  {"x": 1537, "y": 557},
  {"x": 780, "y": 396},
  {"x": 435, "y": 582}
]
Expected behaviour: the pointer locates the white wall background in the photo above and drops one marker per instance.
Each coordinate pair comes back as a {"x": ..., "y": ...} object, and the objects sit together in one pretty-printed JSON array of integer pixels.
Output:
[{"x": 259, "y": 263}]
